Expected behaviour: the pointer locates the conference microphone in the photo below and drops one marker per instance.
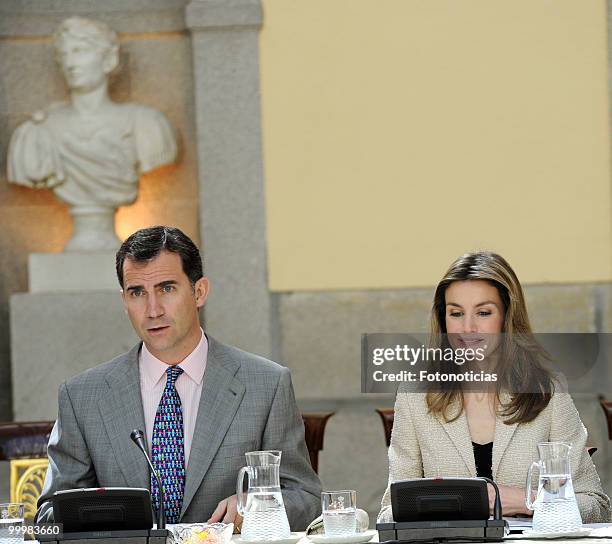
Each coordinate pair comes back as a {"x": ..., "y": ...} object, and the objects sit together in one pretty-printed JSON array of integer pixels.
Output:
[
  {"x": 137, "y": 437},
  {"x": 441, "y": 510}
]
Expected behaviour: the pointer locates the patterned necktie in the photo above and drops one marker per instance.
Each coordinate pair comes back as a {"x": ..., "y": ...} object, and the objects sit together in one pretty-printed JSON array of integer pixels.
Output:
[{"x": 168, "y": 449}]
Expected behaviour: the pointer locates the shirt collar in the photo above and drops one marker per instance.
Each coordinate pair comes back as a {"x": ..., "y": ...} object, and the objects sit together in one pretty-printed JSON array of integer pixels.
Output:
[{"x": 193, "y": 365}]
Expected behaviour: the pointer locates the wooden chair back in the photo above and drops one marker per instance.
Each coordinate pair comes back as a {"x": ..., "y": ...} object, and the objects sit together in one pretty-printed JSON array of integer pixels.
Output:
[{"x": 314, "y": 430}]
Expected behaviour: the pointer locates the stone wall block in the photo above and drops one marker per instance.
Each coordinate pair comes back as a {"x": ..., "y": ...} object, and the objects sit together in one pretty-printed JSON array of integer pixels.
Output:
[
  {"x": 56, "y": 336},
  {"x": 41, "y": 17},
  {"x": 561, "y": 308},
  {"x": 321, "y": 334}
]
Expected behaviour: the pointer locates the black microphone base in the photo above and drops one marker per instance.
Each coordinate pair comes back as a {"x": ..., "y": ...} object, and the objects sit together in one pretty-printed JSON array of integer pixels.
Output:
[
  {"x": 141, "y": 536},
  {"x": 491, "y": 530}
]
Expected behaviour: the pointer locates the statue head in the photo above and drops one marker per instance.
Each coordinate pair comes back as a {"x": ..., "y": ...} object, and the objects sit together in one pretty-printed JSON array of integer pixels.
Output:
[{"x": 87, "y": 50}]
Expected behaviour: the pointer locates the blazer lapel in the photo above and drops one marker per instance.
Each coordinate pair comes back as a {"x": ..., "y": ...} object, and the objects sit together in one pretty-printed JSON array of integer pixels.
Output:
[
  {"x": 459, "y": 433},
  {"x": 221, "y": 396},
  {"x": 122, "y": 412},
  {"x": 503, "y": 435}
]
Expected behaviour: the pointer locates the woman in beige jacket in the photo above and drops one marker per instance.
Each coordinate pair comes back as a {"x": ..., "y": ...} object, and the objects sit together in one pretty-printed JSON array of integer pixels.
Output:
[{"x": 453, "y": 432}]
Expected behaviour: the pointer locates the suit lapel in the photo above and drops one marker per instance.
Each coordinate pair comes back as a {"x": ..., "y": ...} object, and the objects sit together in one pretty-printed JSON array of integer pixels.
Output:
[
  {"x": 459, "y": 433},
  {"x": 221, "y": 396},
  {"x": 503, "y": 435},
  {"x": 122, "y": 412}
]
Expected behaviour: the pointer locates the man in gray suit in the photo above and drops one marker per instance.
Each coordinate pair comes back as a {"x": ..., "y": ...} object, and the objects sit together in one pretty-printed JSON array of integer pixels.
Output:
[{"x": 201, "y": 403}]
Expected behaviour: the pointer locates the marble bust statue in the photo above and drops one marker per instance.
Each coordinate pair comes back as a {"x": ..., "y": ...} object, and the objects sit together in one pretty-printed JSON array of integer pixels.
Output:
[{"x": 90, "y": 150}]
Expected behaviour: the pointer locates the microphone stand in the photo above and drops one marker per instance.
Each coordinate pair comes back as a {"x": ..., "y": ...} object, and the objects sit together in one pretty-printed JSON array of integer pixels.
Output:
[
  {"x": 137, "y": 437},
  {"x": 497, "y": 507}
]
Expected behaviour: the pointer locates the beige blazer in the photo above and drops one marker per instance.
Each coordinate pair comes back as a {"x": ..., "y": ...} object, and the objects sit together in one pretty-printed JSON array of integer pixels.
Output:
[{"x": 423, "y": 445}]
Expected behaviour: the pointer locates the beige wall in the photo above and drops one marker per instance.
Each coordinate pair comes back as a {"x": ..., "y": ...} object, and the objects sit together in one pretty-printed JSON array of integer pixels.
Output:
[{"x": 401, "y": 133}]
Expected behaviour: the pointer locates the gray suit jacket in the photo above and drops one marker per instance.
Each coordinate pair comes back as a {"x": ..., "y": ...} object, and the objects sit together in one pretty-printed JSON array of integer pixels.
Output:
[{"x": 247, "y": 404}]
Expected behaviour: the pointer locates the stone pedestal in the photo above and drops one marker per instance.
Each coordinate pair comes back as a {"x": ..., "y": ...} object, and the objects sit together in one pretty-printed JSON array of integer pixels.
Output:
[
  {"x": 71, "y": 320},
  {"x": 61, "y": 272}
]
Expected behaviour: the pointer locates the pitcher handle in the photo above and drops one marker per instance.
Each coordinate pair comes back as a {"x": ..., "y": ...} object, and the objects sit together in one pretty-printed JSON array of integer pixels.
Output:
[
  {"x": 528, "y": 502},
  {"x": 240, "y": 490}
]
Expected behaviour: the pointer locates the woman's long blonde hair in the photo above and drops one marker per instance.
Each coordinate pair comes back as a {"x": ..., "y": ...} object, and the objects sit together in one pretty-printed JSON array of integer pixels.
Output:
[{"x": 525, "y": 357}]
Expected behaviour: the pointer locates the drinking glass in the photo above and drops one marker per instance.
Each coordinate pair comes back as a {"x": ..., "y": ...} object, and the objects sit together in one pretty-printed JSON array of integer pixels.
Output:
[
  {"x": 11, "y": 523},
  {"x": 339, "y": 512}
]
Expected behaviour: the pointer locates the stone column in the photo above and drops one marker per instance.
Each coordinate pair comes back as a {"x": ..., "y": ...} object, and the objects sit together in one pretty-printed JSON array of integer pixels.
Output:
[{"x": 240, "y": 309}]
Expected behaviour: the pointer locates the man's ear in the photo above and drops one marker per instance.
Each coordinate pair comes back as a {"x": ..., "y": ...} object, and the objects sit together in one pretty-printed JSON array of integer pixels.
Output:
[{"x": 201, "y": 290}]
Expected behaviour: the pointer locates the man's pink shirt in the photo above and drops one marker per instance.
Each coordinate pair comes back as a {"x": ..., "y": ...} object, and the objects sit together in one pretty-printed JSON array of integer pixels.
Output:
[{"x": 188, "y": 386}]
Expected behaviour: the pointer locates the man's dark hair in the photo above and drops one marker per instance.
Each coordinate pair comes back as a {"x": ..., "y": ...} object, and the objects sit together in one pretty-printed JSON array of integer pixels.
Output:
[{"x": 146, "y": 244}]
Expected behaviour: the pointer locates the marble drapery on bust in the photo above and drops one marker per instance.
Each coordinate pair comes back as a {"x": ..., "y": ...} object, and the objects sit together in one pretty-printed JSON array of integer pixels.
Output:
[{"x": 90, "y": 151}]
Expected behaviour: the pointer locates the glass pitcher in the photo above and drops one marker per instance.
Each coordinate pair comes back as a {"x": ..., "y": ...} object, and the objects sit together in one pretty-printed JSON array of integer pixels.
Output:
[
  {"x": 555, "y": 509},
  {"x": 264, "y": 510}
]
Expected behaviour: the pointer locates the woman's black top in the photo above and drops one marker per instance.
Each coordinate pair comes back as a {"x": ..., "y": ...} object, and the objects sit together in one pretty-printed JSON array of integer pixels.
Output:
[{"x": 483, "y": 455}]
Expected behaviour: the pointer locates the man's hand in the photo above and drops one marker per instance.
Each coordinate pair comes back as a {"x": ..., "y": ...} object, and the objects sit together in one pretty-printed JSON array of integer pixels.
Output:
[
  {"x": 226, "y": 512},
  {"x": 512, "y": 499}
]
